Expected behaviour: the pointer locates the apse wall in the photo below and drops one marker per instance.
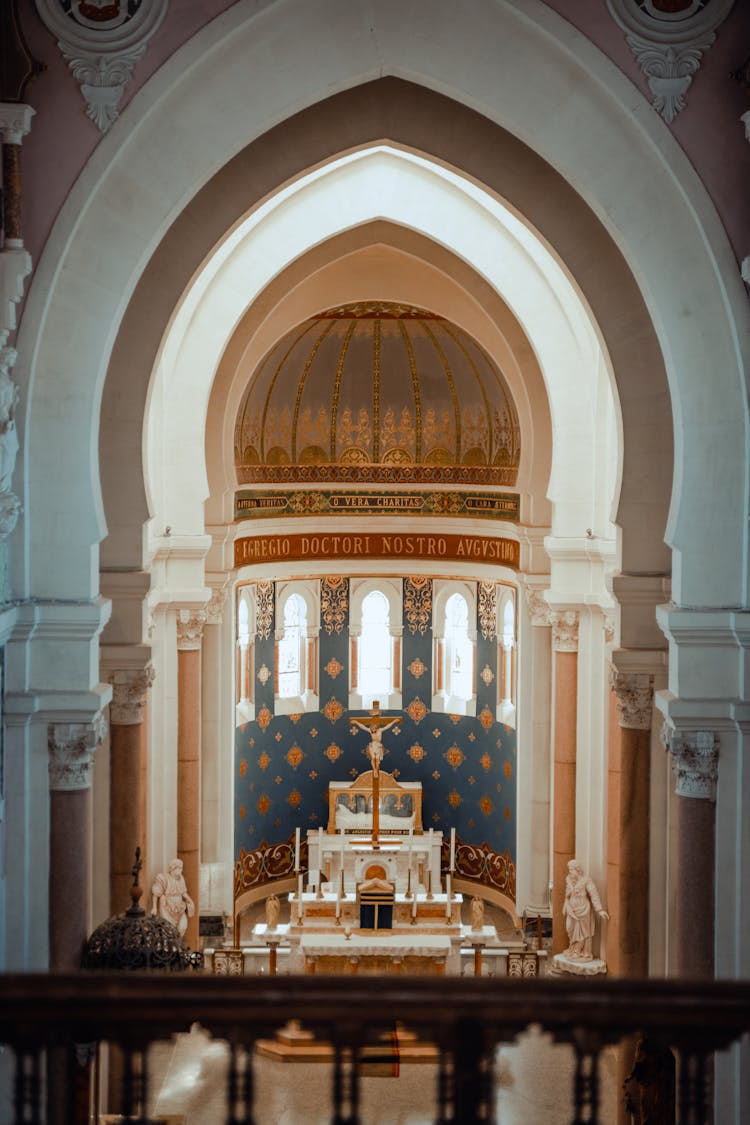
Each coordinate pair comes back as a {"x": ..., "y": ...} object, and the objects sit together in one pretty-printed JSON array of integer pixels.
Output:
[{"x": 466, "y": 764}]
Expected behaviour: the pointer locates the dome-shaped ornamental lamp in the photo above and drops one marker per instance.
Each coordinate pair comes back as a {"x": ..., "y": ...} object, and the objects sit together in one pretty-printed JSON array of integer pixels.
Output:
[{"x": 138, "y": 941}]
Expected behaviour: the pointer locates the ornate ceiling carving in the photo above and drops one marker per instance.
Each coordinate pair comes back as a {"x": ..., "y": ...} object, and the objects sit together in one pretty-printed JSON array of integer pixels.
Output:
[
  {"x": 102, "y": 40},
  {"x": 669, "y": 39}
]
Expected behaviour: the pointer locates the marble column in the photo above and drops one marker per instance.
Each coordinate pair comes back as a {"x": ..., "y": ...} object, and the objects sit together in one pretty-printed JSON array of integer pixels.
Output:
[
  {"x": 71, "y": 749},
  {"x": 213, "y": 770},
  {"x": 15, "y": 122},
  {"x": 190, "y": 624},
  {"x": 695, "y": 761},
  {"x": 534, "y": 837},
  {"x": 634, "y": 692},
  {"x": 565, "y": 722},
  {"x": 126, "y": 781}
]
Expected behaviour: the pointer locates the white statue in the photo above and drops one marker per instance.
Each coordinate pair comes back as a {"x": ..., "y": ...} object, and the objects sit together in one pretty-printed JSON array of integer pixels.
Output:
[
  {"x": 582, "y": 903},
  {"x": 272, "y": 912},
  {"x": 477, "y": 914},
  {"x": 170, "y": 897}
]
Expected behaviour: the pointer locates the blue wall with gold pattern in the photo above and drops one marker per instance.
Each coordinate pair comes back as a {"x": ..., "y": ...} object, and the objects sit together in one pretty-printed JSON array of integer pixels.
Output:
[{"x": 466, "y": 764}]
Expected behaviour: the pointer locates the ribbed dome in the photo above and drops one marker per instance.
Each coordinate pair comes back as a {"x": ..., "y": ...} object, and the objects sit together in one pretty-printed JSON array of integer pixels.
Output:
[{"x": 377, "y": 391}]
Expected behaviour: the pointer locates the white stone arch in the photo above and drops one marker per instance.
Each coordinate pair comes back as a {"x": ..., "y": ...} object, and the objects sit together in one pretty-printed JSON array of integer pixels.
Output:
[
  {"x": 392, "y": 589},
  {"x": 669, "y": 233},
  {"x": 658, "y": 274},
  {"x": 407, "y": 191},
  {"x": 442, "y": 590}
]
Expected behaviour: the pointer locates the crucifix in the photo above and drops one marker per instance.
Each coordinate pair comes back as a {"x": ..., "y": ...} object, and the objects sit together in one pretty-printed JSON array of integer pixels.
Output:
[{"x": 374, "y": 725}]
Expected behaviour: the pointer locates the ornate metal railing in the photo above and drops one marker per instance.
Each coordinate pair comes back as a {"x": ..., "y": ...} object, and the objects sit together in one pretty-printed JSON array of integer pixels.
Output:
[{"x": 464, "y": 1018}]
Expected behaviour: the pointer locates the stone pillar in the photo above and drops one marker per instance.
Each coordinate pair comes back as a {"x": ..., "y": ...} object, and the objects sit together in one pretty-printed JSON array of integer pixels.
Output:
[
  {"x": 634, "y": 693},
  {"x": 126, "y": 782},
  {"x": 190, "y": 624},
  {"x": 538, "y": 711},
  {"x": 15, "y": 122},
  {"x": 212, "y": 770},
  {"x": 71, "y": 749},
  {"x": 695, "y": 760},
  {"x": 565, "y": 721}
]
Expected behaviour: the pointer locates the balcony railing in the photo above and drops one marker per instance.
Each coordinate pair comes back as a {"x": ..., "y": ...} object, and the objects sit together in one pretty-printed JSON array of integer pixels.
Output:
[{"x": 465, "y": 1018}]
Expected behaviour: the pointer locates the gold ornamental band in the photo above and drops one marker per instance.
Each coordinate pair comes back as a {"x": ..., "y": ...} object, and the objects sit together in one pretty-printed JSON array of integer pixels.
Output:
[{"x": 376, "y": 545}]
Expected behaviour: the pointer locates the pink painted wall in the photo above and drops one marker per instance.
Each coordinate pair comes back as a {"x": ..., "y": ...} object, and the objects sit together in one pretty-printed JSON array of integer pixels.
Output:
[{"x": 709, "y": 130}]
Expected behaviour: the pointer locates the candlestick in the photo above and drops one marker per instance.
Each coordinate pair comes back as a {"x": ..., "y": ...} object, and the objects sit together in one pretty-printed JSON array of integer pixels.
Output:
[
  {"x": 342, "y": 888},
  {"x": 408, "y": 884},
  {"x": 448, "y": 896},
  {"x": 296, "y": 849},
  {"x": 429, "y": 884},
  {"x": 452, "y": 863},
  {"x": 414, "y": 908}
]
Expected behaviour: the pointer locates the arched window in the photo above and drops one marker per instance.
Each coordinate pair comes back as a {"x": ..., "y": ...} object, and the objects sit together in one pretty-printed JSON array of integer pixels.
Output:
[
  {"x": 375, "y": 628},
  {"x": 375, "y": 649},
  {"x": 506, "y": 660},
  {"x": 459, "y": 651},
  {"x": 454, "y": 614},
  {"x": 296, "y": 648},
  {"x": 291, "y": 655},
  {"x": 244, "y": 673}
]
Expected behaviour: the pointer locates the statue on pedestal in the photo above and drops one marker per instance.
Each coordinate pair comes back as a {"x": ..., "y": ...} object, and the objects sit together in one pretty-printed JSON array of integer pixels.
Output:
[
  {"x": 272, "y": 912},
  {"x": 170, "y": 897},
  {"x": 477, "y": 914},
  {"x": 582, "y": 904}
]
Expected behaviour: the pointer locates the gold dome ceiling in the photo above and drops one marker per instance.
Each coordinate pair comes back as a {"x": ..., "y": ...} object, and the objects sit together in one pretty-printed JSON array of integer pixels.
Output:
[{"x": 377, "y": 392}]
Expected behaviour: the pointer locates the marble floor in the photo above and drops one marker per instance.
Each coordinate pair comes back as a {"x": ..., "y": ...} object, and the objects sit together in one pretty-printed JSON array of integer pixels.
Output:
[{"x": 533, "y": 1082}]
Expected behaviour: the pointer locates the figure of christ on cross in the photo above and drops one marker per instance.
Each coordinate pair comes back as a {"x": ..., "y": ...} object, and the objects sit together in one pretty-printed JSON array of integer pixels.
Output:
[{"x": 374, "y": 725}]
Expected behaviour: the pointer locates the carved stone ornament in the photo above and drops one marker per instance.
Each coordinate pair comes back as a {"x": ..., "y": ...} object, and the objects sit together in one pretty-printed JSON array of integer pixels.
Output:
[
  {"x": 695, "y": 762},
  {"x": 102, "y": 40},
  {"x": 634, "y": 692},
  {"x": 15, "y": 122},
  {"x": 669, "y": 41},
  {"x": 564, "y": 630},
  {"x": 215, "y": 607},
  {"x": 71, "y": 749},
  {"x": 129, "y": 690},
  {"x": 190, "y": 624},
  {"x": 488, "y": 609},
  {"x": 539, "y": 610},
  {"x": 264, "y": 609}
]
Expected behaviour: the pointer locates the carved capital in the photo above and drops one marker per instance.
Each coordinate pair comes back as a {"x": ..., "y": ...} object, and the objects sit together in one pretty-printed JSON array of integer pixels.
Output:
[
  {"x": 101, "y": 46},
  {"x": 635, "y": 697},
  {"x": 15, "y": 122},
  {"x": 564, "y": 630},
  {"x": 129, "y": 690},
  {"x": 71, "y": 748},
  {"x": 669, "y": 45},
  {"x": 695, "y": 762},
  {"x": 190, "y": 624},
  {"x": 539, "y": 610},
  {"x": 215, "y": 607}
]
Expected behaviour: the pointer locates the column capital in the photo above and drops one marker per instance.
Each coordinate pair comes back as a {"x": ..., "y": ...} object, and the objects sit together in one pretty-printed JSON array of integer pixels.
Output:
[
  {"x": 540, "y": 613},
  {"x": 71, "y": 748},
  {"x": 634, "y": 692},
  {"x": 190, "y": 624},
  {"x": 129, "y": 690},
  {"x": 216, "y": 603},
  {"x": 564, "y": 629},
  {"x": 15, "y": 122},
  {"x": 695, "y": 762}
]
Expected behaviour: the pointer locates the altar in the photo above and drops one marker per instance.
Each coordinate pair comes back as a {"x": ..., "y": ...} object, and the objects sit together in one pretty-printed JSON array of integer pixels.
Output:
[{"x": 375, "y": 904}]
